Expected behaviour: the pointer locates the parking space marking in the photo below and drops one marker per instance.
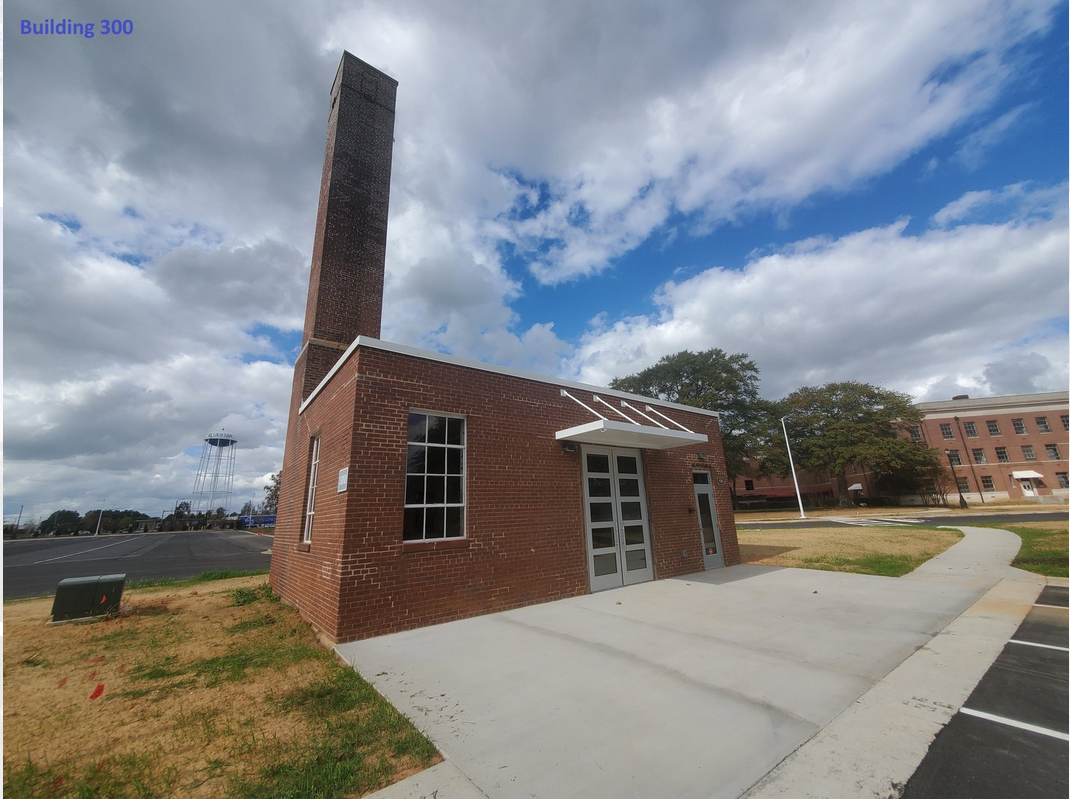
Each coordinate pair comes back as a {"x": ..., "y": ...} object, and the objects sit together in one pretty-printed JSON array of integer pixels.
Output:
[
  {"x": 1042, "y": 646},
  {"x": 1060, "y": 607},
  {"x": 84, "y": 551},
  {"x": 1021, "y": 725}
]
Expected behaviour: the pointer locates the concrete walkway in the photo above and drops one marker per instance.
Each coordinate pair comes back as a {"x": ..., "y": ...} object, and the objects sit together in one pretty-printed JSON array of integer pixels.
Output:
[{"x": 702, "y": 686}]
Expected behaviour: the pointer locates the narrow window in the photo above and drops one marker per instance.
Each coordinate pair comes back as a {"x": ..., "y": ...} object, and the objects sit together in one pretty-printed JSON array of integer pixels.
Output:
[
  {"x": 1053, "y": 451},
  {"x": 945, "y": 431},
  {"x": 434, "y": 477},
  {"x": 1028, "y": 453},
  {"x": 979, "y": 456},
  {"x": 964, "y": 484},
  {"x": 748, "y": 485},
  {"x": 915, "y": 434},
  {"x": 1042, "y": 424},
  {"x": 1001, "y": 455},
  {"x": 310, "y": 505},
  {"x": 953, "y": 457},
  {"x": 971, "y": 429},
  {"x": 1019, "y": 426},
  {"x": 987, "y": 484},
  {"x": 1062, "y": 478},
  {"x": 993, "y": 427},
  {"x": 1066, "y": 421}
]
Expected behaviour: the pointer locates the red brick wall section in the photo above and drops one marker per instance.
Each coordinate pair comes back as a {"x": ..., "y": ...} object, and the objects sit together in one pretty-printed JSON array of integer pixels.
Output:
[{"x": 524, "y": 514}]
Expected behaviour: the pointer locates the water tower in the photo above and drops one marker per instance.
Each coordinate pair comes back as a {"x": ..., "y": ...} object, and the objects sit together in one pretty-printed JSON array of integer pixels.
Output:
[{"x": 215, "y": 474}]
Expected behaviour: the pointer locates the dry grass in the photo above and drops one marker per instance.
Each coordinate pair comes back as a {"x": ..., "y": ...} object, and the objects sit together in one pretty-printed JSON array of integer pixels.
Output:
[
  {"x": 208, "y": 690},
  {"x": 889, "y": 551}
]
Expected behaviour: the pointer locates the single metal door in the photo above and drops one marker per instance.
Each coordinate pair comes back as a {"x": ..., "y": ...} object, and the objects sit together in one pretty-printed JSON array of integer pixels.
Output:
[
  {"x": 1027, "y": 488},
  {"x": 618, "y": 533},
  {"x": 712, "y": 557}
]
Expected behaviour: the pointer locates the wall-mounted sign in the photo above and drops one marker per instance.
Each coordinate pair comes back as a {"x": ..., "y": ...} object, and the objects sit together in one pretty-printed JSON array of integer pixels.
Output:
[
  {"x": 343, "y": 479},
  {"x": 720, "y": 481}
]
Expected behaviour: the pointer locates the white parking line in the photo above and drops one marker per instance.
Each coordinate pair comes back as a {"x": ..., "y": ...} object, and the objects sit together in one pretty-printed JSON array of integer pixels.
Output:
[
  {"x": 1042, "y": 646},
  {"x": 1021, "y": 725},
  {"x": 1039, "y": 605},
  {"x": 84, "y": 551}
]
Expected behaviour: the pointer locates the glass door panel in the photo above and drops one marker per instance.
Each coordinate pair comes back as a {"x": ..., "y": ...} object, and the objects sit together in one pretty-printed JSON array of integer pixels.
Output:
[
  {"x": 712, "y": 556},
  {"x": 618, "y": 541}
]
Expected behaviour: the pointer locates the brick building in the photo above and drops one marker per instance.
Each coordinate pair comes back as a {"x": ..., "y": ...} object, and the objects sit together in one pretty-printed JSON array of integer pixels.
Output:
[
  {"x": 418, "y": 487},
  {"x": 1012, "y": 447}
]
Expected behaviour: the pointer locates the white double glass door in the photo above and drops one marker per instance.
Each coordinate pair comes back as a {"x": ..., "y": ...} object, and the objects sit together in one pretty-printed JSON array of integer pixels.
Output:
[{"x": 618, "y": 531}]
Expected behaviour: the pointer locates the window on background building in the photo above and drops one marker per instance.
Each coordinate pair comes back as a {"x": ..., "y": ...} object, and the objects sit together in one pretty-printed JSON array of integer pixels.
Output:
[
  {"x": 1053, "y": 451},
  {"x": 748, "y": 485},
  {"x": 915, "y": 433},
  {"x": 1019, "y": 426},
  {"x": 953, "y": 457},
  {"x": 310, "y": 505},
  {"x": 987, "y": 484},
  {"x": 971, "y": 429},
  {"x": 978, "y": 456},
  {"x": 964, "y": 484},
  {"x": 1066, "y": 421},
  {"x": 1028, "y": 453},
  {"x": 1062, "y": 478},
  {"x": 1042, "y": 424},
  {"x": 434, "y": 477},
  {"x": 945, "y": 431},
  {"x": 1001, "y": 455},
  {"x": 993, "y": 427}
]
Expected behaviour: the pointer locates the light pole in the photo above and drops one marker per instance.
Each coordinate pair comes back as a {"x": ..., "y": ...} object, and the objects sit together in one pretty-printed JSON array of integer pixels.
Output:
[
  {"x": 955, "y": 477},
  {"x": 100, "y": 516},
  {"x": 798, "y": 494}
]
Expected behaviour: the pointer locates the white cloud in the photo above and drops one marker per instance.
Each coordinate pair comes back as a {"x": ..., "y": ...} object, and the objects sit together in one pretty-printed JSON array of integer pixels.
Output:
[{"x": 878, "y": 305}]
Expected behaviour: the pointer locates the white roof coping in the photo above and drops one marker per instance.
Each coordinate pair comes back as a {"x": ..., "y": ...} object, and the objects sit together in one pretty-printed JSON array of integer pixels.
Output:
[
  {"x": 608, "y": 433},
  {"x": 1047, "y": 399},
  {"x": 453, "y": 360}
]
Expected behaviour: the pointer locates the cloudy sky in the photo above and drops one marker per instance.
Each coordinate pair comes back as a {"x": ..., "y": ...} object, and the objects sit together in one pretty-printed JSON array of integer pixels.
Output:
[{"x": 868, "y": 191}]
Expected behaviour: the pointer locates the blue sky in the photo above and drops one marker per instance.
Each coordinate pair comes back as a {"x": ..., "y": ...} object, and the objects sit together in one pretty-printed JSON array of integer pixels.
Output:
[{"x": 841, "y": 190}]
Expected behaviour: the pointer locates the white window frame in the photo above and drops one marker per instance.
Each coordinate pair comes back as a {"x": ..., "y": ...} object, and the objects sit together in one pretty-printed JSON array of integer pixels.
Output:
[
  {"x": 1019, "y": 426},
  {"x": 970, "y": 428},
  {"x": 993, "y": 427},
  {"x": 1002, "y": 455},
  {"x": 310, "y": 504},
  {"x": 445, "y": 505},
  {"x": 1028, "y": 452},
  {"x": 987, "y": 483},
  {"x": 979, "y": 455},
  {"x": 1042, "y": 424},
  {"x": 1053, "y": 452},
  {"x": 947, "y": 432}
]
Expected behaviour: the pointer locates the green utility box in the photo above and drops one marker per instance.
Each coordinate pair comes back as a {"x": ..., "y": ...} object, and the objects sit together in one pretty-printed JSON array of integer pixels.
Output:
[{"x": 79, "y": 597}]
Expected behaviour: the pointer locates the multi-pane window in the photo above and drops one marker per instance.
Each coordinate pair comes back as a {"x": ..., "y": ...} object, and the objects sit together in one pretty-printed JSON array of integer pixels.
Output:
[
  {"x": 953, "y": 457},
  {"x": 993, "y": 427},
  {"x": 945, "y": 431},
  {"x": 1053, "y": 451},
  {"x": 963, "y": 483},
  {"x": 1002, "y": 456},
  {"x": 310, "y": 504},
  {"x": 434, "y": 477},
  {"x": 978, "y": 456},
  {"x": 971, "y": 429},
  {"x": 748, "y": 485},
  {"x": 1019, "y": 426},
  {"x": 915, "y": 433},
  {"x": 1042, "y": 424},
  {"x": 1028, "y": 454},
  {"x": 1062, "y": 478},
  {"x": 1066, "y": 421},
  {"x": 986, "y": 483}
]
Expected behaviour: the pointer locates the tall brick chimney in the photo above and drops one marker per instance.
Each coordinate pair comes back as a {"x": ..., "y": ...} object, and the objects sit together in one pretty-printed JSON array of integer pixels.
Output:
[{"x": 345, "y": 289}]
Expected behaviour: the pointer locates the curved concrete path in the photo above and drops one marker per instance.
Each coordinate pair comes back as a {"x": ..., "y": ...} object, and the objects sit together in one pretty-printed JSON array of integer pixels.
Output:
[{"x": 700, "y": 686}]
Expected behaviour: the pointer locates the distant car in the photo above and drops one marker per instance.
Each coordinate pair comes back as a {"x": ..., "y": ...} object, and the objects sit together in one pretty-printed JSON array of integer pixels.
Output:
[{"x": 83, "y": 532}]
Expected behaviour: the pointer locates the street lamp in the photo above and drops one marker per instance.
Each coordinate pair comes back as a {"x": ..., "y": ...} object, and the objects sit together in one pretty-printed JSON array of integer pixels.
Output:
[
  {"x": 798, "y": 494},
  {"x": 100, "y": 516},
  {"x": 955, "y": 477}
]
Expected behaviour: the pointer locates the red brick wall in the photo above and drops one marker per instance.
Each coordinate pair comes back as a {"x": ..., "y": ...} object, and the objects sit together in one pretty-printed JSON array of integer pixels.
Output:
[{"x": 524, "y": 502}]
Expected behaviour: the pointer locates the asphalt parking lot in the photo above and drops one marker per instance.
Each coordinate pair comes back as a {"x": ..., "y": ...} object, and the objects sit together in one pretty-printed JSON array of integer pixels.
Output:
[
  {"x": 1010, "y": 737},
  {"x": 33, "y": 567}
]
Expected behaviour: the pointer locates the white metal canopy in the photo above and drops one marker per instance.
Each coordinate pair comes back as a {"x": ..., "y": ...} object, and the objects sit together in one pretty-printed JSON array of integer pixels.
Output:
[
  {"x": 1027, "y": 475},
  {"x": 608, "y": 433}
]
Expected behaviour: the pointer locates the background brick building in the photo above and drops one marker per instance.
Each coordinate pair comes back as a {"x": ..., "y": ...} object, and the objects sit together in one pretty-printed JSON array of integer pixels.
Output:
[{"x": 419, "y": 488}]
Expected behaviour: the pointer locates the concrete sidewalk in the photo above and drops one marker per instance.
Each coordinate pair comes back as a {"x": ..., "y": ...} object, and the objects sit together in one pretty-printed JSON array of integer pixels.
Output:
[{"x": 700, "y": 686}]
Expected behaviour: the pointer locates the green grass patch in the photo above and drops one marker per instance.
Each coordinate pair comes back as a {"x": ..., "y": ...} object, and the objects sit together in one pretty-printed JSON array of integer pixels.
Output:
[
  {"x": 1045, "y": 547},
  {"x": 882, "y": 565},
  {"x": 205, "y": 577},
  {"x": 254, "y": 623},
  {"x": 115, "y": 777}
]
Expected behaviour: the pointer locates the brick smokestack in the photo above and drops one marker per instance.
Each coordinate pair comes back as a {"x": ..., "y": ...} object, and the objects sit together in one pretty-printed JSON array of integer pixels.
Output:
[{"x": 345, "y": 289}]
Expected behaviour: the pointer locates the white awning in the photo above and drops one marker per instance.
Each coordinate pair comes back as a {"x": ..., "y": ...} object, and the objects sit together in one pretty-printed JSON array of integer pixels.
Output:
[
  {"x": 607, "y": 433},
  {"x": 1027, "y": 475},
  {"x": 855, "y": 487}
]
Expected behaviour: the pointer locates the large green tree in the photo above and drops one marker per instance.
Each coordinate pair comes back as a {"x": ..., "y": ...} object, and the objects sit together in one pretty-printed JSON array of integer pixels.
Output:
[
  {"x": 839, "y": 424},
  {"x": 271, "y": 495},
  {"x": 713, "y": 380}
]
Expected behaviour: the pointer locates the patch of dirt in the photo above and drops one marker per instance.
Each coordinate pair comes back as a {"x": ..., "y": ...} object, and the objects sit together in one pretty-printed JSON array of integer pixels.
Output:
[
  {"x": 141, "y": 683},
  {"x": 793, "y": 547}
]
